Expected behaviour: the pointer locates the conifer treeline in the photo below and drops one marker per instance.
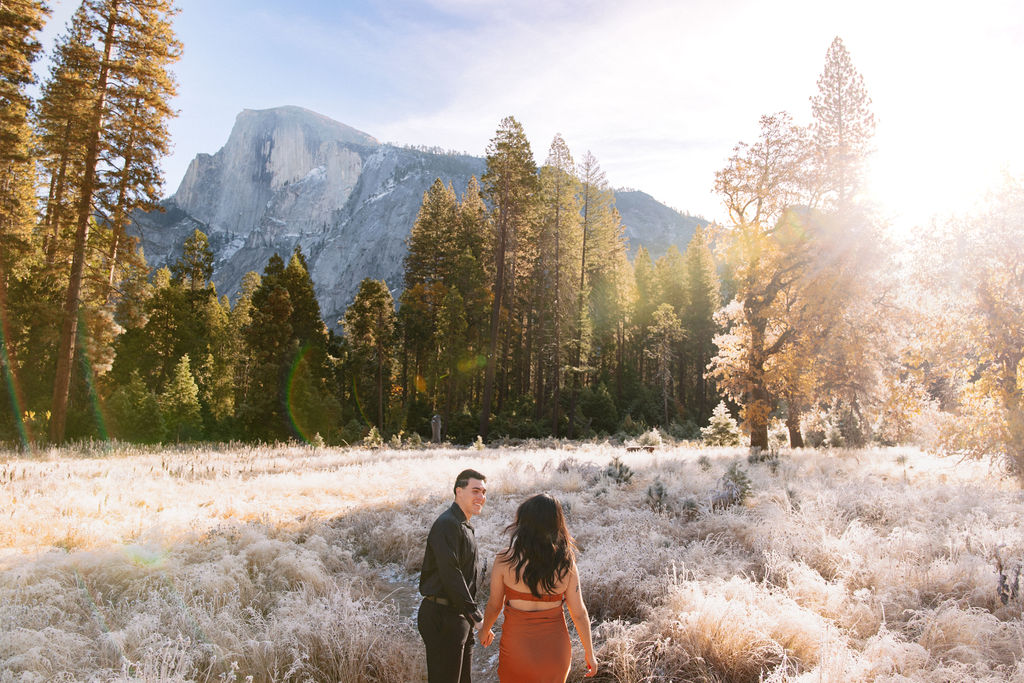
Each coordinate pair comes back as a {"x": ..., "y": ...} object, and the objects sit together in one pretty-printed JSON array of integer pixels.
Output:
[
  {"x": 519, "y": 313},
  {"x": 518, "y": 296}
]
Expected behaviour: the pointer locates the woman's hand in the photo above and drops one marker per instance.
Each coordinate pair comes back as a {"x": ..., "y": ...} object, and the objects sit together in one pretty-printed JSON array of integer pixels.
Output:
[
  {"x": 485, "y": 637},
  {"x": 591, "y": 665}
]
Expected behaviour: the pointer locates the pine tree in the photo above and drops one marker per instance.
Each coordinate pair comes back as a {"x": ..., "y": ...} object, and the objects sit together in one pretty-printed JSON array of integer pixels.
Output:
[
  {"x": 722, "y": 429},
  {"x": 429, "y": 273},
  {"x": 179, "y": 404},
  {"x": 20, "y": 23},
  {"x": 307, "y": 322},
  {"x": 238, "y": 349},
  {"x": 370, "y": 326},
  {"x": 134, "y": 412},
  {"x": 511, "y": 186},
  {"x": 117, "y": 53},
  {"x": 452, "y": 326},
  {"x": 702, "y": 295},
  {"x": 262, "y": 409},
  {"x": 195, "y": 267},
  {"x": 601, "y": 240},
  {"x": 647, "y": 298},
  {"x": 843, "y": 127},
  {"x": 665, "y": 332},
  {"x": 554, "y": 274}
]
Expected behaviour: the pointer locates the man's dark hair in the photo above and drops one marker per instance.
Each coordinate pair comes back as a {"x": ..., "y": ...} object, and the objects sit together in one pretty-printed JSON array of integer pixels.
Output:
[{"x": 462, "y": 481}]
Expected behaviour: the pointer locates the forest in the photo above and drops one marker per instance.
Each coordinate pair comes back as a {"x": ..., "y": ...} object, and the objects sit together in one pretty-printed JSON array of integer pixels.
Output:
[{"x": 520, "y": 314}]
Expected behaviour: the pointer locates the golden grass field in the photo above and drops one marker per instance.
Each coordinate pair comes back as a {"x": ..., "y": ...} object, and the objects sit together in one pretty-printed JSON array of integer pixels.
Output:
[{"x": 299, "y": 564}]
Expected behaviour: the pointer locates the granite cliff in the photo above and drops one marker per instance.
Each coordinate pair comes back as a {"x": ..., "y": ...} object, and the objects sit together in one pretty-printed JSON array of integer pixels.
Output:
[{"x": 288, "y": 176}]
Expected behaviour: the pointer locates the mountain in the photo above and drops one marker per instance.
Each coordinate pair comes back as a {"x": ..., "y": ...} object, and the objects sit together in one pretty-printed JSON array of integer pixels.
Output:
[{"x": 288, "y": 176}]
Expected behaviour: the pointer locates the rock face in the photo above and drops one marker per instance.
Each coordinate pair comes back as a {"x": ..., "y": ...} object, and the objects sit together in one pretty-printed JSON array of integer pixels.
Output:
[{"x": 288, "y": 177}]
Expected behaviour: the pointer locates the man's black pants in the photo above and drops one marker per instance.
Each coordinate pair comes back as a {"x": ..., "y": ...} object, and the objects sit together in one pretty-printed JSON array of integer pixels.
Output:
[{"x": 448, "y": 636}]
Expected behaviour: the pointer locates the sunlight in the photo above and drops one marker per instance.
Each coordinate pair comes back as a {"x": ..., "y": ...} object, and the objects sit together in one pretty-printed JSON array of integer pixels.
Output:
[{"x": 912, "y": 181}]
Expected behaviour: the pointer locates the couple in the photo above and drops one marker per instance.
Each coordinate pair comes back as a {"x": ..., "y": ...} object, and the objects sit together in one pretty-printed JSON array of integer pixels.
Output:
[{"x": 531, "y": 579}]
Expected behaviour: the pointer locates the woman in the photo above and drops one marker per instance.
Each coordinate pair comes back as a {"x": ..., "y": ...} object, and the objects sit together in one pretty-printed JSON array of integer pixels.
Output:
[{"x": 531, "y": 580}]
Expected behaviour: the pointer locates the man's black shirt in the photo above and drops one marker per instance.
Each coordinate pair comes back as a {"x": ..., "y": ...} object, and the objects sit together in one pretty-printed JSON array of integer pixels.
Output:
[{"x": 450, "y": 563}]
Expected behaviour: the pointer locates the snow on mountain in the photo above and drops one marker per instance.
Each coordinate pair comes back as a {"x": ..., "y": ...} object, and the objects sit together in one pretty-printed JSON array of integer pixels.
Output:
[{"x": 288, "y": 176}]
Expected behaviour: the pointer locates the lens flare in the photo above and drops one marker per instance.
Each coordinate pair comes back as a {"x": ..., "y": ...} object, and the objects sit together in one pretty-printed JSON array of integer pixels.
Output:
[
  {"x": 13, "y": 395},
  {"x": 90, "y": 384},
  {"x": 296, "y": 390}
]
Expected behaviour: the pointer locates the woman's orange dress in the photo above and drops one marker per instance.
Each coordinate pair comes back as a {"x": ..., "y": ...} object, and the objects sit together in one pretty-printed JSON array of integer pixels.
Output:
[{"x": 534, "y": 646}]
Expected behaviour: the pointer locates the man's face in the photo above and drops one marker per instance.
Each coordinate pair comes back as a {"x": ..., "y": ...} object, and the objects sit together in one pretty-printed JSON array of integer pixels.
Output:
[{"x": 472, "y": 497}]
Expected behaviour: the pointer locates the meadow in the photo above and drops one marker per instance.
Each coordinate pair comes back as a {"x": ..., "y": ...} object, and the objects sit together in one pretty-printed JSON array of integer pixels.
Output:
[{"x": 294, "y": 563}]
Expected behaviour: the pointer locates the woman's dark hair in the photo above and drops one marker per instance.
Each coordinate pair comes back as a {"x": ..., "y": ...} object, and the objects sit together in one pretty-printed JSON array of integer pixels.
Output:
[{"x": 540, "y": 550}]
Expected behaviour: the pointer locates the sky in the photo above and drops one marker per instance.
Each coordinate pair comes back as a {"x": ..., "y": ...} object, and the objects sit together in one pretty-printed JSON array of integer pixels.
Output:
[{"x": 660, "y": 91}]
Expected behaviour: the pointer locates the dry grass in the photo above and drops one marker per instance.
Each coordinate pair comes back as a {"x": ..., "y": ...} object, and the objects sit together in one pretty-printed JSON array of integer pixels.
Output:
[{"x": 295, "y": 564}]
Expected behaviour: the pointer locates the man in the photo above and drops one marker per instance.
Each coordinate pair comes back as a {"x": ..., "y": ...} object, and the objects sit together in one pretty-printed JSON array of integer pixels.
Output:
[{"x": 448, "y": 582}]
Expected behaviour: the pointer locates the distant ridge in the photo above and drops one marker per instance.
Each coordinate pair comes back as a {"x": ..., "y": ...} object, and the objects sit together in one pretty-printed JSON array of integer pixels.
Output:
[{"x": 290, "y": 177}]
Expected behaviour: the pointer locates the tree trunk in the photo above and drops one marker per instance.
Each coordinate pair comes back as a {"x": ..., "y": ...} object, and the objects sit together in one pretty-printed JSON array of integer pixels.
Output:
[
  {"x": 492, "y": 352},
  {"x": 796, "y": 439},
  {"x": 73, "y": 300},
  {"x": 380, "y": 392}
]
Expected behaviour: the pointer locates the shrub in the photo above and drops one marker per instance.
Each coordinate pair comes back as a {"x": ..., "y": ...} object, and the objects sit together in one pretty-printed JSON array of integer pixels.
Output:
[
  {"x": 722, "y": 429},
  {"x": 733, "y": 488},
  {"x": 651, "y": 437},
  {"x": 352, "y": 432},
  {"x": 738, "y": 476},
  {"x": 373, "y": 439},
  {"x": 657, "y": 496},
  {"x": 619, "y": 472},
  {"x": 683, "y": 431}
]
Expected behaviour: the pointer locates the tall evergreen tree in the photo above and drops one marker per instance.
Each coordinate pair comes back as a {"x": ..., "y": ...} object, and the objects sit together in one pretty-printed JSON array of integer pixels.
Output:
[
  {"x": 370, "y": 327},
  {"x": 271, "y": 343},
  {"x": 179, "y": 404},
  {"x": 511, "y": 185},
  {"x": 124, "y": 47},
  {"x": 843, "y": 127},
  {"x": 20, "y": 23},
  {"x": 601, "y": 240},
  {"x": 554, "y": 276},
  {"x": 702, "y": 296},
  {"x": 666, "y": 331},
  {"x": 195, "y": 267}
]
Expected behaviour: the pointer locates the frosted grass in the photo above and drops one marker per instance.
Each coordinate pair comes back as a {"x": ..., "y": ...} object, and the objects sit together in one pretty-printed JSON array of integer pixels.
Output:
[{"x": 293, "y": 563}]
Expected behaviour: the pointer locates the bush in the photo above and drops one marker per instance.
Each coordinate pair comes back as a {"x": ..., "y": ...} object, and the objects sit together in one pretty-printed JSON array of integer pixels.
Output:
[
  {"x": 650, "y": 438},
  {"x": 352, "y": 432},
  {"x": 619, "y": 472},
  {"x": 683, "y": 431},
  {"x": 657, "y": 496},
  {"x": 373, "y": 439},
  {"x": 739, "y": 478},
  {"x": 722, "y": 429}
]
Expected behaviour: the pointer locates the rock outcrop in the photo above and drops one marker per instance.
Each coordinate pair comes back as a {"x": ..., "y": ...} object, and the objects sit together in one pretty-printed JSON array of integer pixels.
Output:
[{"x": 288, "y": 177}]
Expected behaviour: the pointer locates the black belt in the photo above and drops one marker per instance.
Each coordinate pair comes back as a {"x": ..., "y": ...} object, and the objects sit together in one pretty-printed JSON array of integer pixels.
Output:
[{"x": 440, "y": 601}]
